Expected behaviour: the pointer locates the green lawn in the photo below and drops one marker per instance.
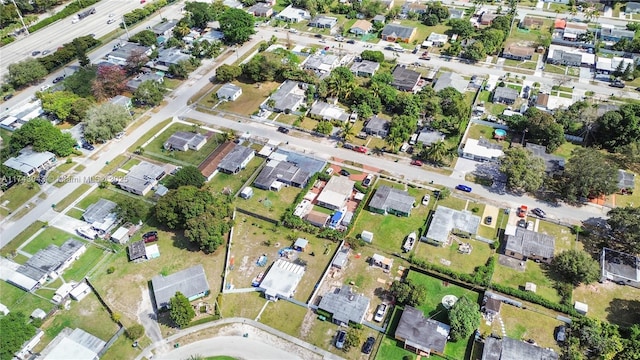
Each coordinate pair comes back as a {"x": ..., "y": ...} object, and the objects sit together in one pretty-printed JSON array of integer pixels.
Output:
[
  {"x": 156, "y": 147},
  {"x": 72, "y": 197},
  {"x": 156, "y": 129},
  {"x": 18, "y": 195},
  {"x": 129, "y": 164},
  {"x": 107, "y": 193},
  {"x": 534, "y": 273},
  {"x": 234, "y": 182},
  {"x": 253, "y": 94},
  {"x": 122, "y": 349},
  {"x": 22, "y": 237},
  {"x": 555, "y": 69},
  {"x": 276, "y": 312},
  {"x": 565, "y": 239},
  {"x": 271, "y": 204},
  {"x": 465, "y": 263},
  {"x": 18, "y": 300},
  {"x": 49, "y": 236},
  {"x": 566, "y": 149},
  {"x": 82, "y": 266},
  {"x": 611, "y": 302}
]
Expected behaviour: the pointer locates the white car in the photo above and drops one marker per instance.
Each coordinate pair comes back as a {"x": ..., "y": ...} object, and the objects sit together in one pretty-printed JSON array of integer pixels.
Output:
[
  {"x": 45, "y": 87},
  {"x": 382, "y": 309},
  {"x": 425, "y": 199},
  {"x": 530, "y": 225},
  {"x": 293, "y": 31}
]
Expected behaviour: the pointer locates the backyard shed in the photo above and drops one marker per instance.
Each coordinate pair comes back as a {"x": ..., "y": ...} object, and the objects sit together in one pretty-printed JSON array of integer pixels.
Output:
[
  {"x": 80, "y": 292},
  {"x": 4, "y": 309},
  {"x": 152, "y": 251},
  {"x": 367, "y": 236},
  {"x": 246, "y": 193},
  {"x": 582, "y": 308},
  {"x": 38, "y": 314},
  {"x": 136, "y": 250},
  {"x": 530, "y": 287},
  {"x": 301, "y": 244},
  {"x": 341, "y": 258},
  {"x": 381, "y": 261},
  {"x": 121, "y": 235}
]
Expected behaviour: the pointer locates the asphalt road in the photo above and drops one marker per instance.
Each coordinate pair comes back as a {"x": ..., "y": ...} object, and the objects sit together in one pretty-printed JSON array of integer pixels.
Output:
[{"x": 235, "y": 346}]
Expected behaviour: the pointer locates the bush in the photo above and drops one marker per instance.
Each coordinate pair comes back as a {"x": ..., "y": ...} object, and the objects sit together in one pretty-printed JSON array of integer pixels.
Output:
[
  {"x": 68, "y": 10},
  {"x": 111, "y": 269},
  {"x": 135, "y": 332}
]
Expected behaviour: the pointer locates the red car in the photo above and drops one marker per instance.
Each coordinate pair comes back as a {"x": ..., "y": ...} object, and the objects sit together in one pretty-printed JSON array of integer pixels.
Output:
[
  {"x": 361, "y": 149},
  {"x": 416, "y": 162},
  {"x": 522, "y": 211}
]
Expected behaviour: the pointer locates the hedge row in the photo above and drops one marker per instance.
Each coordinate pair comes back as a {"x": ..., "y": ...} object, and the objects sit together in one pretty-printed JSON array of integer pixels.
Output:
[
  {"x": 536, "y": 299},
  {"x": 67, "y": 53},
  {"x": 481, "y": 276},
  {"x": 68, "y": 10},
  {"x": 138, "y": 15}
]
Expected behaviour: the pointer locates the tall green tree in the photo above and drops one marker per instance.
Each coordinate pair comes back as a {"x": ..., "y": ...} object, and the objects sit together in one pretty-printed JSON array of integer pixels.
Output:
[
  {"x": 180, "y": 310},
  {"x": 145, "y": 37},
  {"x": 525, "y": 172},
  {"x": 132, "y": 210},
  {"x": 149, "y": 93},
  {"x": 588, "y": 174},
  {"x": 237, "y": 26},
  {"x": 602, "y": 340},
  {"x": 15, "y": 331},
  {"x": 625, "y": 229},
  {"x": 80, "y": 81},
  {"x": 43, "y": 136},
  {"x": 26, "y": 72},
  {"x": 618, "y": 128},
  {"x": 188, "y": 175},
  {"x": 64, "y": 105},
  {"x": 437, "y": 153},
  {"x": 576, "y": 267},
  {"x": 226, "y": 73},
  {"x": 464, "y": 318},
  {"x": 104, "y": 121}
]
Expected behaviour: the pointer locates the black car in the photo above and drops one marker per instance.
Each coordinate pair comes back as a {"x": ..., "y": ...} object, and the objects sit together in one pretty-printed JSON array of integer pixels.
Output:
[
  {"x": 344, "y": 172},
  {"x": 7, "y": 97},
  {"x": 283, "y": 129},
  {"x": 351, "y": 41},
  {"x": 58, "y": 79},
  {"x": 488, "y": 220},
  {"x": 368, "y": 345},
  {"x": 42, "y": 178},
  {"x": 87, "y": 146},
  {"x": 35, "y": 53},
  {"x": 539, "y": 212},
  {"x": 319, "y": 36}
]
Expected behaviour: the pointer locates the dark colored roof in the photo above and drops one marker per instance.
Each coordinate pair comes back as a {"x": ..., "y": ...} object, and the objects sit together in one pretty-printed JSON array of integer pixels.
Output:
[
  {"x": 626, "y": 180},
  {"x": 531, "y": 243},
  {"x": 561, "y": 55},
  {"x": 405, "y": 78},
  {"x": 492, "y": 304},
  {"x": 632, "y": 6},
  {"x": 190, "y": 282},
  {"x": 136, "y": 250},
  {"x": 282, "y": 171},
  {"x": 49, "y": 259},
  {"x": 232, "y": 160},
  {"x": 210, "y": 164},
  {"x": 423, "y": 333},
  {"x": 397, "y": 31},
  {"x": 99, "y": 210},
  {"x": 345, "y": 305},
  {"x": 181, "y": 138},
  {"x": 620, "y": 264},
  {"x": 505, "y": 93},
  {"x": 552, "y": 162},
  {"x": 511, "y": 349},
  {"x": 376, "y": 125},
  {"x": 388, "y": 198},
  {"x": 542, "y": 100}
]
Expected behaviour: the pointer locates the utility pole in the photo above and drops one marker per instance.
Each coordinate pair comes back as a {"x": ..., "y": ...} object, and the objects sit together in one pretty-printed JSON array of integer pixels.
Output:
[
  {"x": 20, "y": 16},
  {"x": 125, "y": 27}
]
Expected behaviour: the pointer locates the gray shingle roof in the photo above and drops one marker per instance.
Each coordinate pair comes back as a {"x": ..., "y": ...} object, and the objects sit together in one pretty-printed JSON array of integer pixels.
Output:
[
  {"x": 626, "y": 180},
  {"x": 418, "y": 331},
  {"x": 179, "y": 139},
  {"x": 282, "y": 171},
  {"x": 228, "y": 91},
  {"x": 505, "y": 92},
  {"x": 190, "y": 282},
  {"x": 530, "y": 243},
  {"x": 449, "y": 79},
  {"x": 99, "y": 210},
  {"x": 377, "y": 125},
  {"x": 345, "y": 305},
  {"x": 446, "y": 219},
  {"x": 285, "y": 97},
  {"x": 365, "y": 66},
  {"x": 405, "y": 79},
  {"x": 511, "y": 349},
  {"x": 136, "y": 250},
  {"x": 552, "y": 162},
  {"x": 49, "y": 259},
  {"x": 387, "y": 198},
  {"x": 397, "y": 31},
  {"x": 231, "y": 162}
]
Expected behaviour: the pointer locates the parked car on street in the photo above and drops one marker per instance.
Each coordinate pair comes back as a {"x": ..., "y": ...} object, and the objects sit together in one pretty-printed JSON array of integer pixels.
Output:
[
  {"x": 283, "y": 129},
  {"x": 361, "y": 149},
  {"x": 416, "y": 162},
  {"x": 464, "y": 188},
  {"x": 539, "y": 212}
]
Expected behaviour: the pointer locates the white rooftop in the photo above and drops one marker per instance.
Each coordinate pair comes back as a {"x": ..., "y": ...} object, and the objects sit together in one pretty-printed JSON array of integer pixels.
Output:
[
  {"x": 473, "y": 147},
  {"x": 282, "y": 279}
]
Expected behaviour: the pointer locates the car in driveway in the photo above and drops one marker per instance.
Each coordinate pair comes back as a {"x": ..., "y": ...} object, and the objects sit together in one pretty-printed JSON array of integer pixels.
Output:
[
  {"x": 344, "y": 172},
  {"x": 530, "y": 225},
  {"x": 368, "y": 345},
  {"x": 464, "y": 188},
  {"x": 340, "y": 338},
  {"x": 488, "y": 220},
  {"x": 522, "y": 211},
  {"x": 539, "y": 213},
  {"x": 87, "y": 146},
  {"x": 425, "y": 199},
  {"x": 522, "y": 223},
  {"x": 367, "y": 181},
  {"x": 382, "y": 309}
]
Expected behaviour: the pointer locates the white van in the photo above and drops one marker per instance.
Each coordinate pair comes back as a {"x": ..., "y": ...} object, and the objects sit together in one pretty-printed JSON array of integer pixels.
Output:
[{"x": 329, "y": 171}]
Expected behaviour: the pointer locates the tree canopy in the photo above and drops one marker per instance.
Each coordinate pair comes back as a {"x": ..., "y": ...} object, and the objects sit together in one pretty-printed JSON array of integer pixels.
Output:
[
  {"x": 618, "y": 128},
  {"x": 188, "y": 175},
  {"x": 132, "y": 209},
  {"x": 15, "y": 330},
  {"x": 26, "y": 72},
  {"x": 43, "y": 136},
  {"x": 80, "y": 82},
  {"x": 236, "y": 25},
  {"x": 205, "y": 217},
  {"x": 104, "y": 121},
  {"x": 180, "y": 310},
  {"x": 372, "y": 55},
  {"x": 65, "y": 105},
  {"x": 625, "y": 228},
  {"x": 406, "y": 292},
  {"x": 588, "y": 174},
  {"x": 149, "y": 93},
  {"x": 576, "y": 267},
  {"x": 539, "y": 128},
  {"x": 601, "y": 339},
  {"x": 144, "y": 37},
  {"x": 226, "y": 73},
  {"x": 524, "y": 171},
  {"x": 464, "y": 318},
  {"x": 109, "y": 82}
]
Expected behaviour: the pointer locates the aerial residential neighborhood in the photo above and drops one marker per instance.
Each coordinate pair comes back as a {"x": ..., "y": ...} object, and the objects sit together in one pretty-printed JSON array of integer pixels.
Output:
[{"x": 320, "y": 180}]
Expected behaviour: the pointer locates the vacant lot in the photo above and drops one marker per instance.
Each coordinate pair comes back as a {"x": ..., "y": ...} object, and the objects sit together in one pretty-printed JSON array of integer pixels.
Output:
[
  {"x": 565, "y": 239},
  {"x": 271, "y": 204},
  {"x": 156, "y": 150},
  {"x": 18, "y": 195},
  {"x": 253, "y": 94},
  {"x": 50, "y": 236},
  {"x": 534, "y": 273},
  {"x": 611, "y": 302},
  {"x": 87, "y": 261},
  {"x": 18, "y": 300},
  {"x": 112, "y": 194},
  {"x": 443, "y": 255},
  {"x": 234, "y": 182}
]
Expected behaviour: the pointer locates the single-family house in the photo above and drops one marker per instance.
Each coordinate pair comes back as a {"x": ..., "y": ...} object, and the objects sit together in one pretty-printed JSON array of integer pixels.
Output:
[
  {"x": 77, "y": 344},
  {"x": 379, "y": 19},
  {"x": 414, "y": 7},
  {"x": 606, "y": 65},
  {"x": 531, "y": 23},
  {"x": 165, "y": 28},
  {"x": 121, "y": 55},
  {"x": 542, "y": 101},
  {"x": 420, "y": 334},
  {"x": 293, "y": 15},
  {"x": 183, "y": 141},
  {"x": 388, "y": 200},
  {"x": 519, "y": 53},
  {"x": 101, "y": 215},
  {"x": 626, "y": 181},
  {"x": 229, "y": 92},
  {"x": 388, "y": 4},
  {"x": 573, "y": 30},
  {"x": 135, "y": 82},
  {"x": 345, "y": 306},
  {"x": 450, "y": 79},
  {"x": 121, "y": 100},
  {"x": 613, "y": 34},
  {"x": 487, "y": 18},
  {"x": 191, "y": 282},
  {"x": 142, "y": 178},
  {"x": 120, "y": 236},
  {"x": 505, "y": 95},
  {"x": 168, "y": 57},
  {"x": 620, "y": 267},
  {"x": 30, "y": 162},
  {"x": 554, "y": 164},
  {"x": 277, "y": 174},
  {"x": 211, "y": 36},
  {"x": 510, "y": 349},
  {"x": 317, "y": 218},
  {"x": 282, "y": 280},
  {"x": 236, "y": 160},
  {"x": 364, "y": 68},
  {"x": 562, "y": 55},
  {"x": 405, "y": 79},
  {"x": 321, "y": 63},
  {"x": 428, "y": 136},
  {"x": 632, "y": 8},
  {"x": 398, "y": 33},
  {"x": 557, "y": 1},
  {"x": 446, "y": 221},
  {"x": 438, "y": 39},
  {"x": 261, "y": 10},
  {"x": 325, "y": 111},
  {"x": 361, "y": 27},
  {"x": 48, "y": 263},
  {"x": 377, "y": 126},
  {"x": 323, "y": 22},
  {"x": 336, "y": 192},
  {"x": 288, "y": 98},
  {"x": 456, "y": 14},
  {"x": 481, "y": 150},
  {"x": 209, "y": 167},
  {"x": 526, "y": 244}
]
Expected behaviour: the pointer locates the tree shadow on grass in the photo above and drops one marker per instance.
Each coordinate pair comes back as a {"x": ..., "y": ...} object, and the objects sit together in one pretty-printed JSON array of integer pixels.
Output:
[{"x": 624, "y": 312}]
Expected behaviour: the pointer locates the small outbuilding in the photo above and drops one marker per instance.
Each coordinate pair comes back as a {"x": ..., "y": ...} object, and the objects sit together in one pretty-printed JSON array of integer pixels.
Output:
[
  {"x": 229, "y": 92},
  {"x": 246, "y": 193},
  {"x": 80, "y": 292},
  {"x": 301, "y": 244},
  {"x": 136, "y": 250},
  {"x": 367, "y": 236},
  {"x": 152, "y": 251},
  {"x": 120, "y": 236},
  {"x": 381, "y": 261},
  {"x": 38, "y": 314},
  {"x": 581, "y": 307}
]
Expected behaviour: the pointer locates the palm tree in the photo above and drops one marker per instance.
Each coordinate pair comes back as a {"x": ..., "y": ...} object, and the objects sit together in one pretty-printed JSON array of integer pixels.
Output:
[
  {"x": 438, "y": 152},
  {"x": 347, "y": 130},
  {"x": 182, "y": 30}
]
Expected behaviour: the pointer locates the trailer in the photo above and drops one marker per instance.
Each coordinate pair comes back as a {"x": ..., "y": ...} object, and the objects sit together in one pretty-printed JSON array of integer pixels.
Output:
[{"x": 84, "y": 14}]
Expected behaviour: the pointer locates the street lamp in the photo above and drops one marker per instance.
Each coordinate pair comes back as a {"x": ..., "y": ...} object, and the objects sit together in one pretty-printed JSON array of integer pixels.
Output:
[{"x": 524, "y": 134}]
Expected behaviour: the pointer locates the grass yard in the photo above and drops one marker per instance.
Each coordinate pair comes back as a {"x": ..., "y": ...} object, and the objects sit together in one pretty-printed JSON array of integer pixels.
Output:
[
  {"x": 288, "y": 118},
  {"x": 129, "y": 164},
  {"x": 423, "y": 31},
  {"x": 50, "y": 235},
  {"x": 107, "y": 193},
  {"x": 123, "y": 289},
  {"x": 18, "y": 195},
  {"x": 477, "y": 131},
  {"x": 284, "y": 316},
  {"x": 234, "y": 182},
  {"x": 156, "y": 129},
  {"x": 87, "y": 261},
  {"x": 566, "y": 149},
  {"x": 565, "y": 239},
  {"x": 465, "y": 263},
  {"x": 534, "y": 273},
  {"x": 527, "y": 65},
  {"x": 271, "y": 204},
  {"x": 88, "y": 315},
  {"x": 18, "y": 300},
  {"x": 611, "y": 302},
  {"x": 122, "y": 349},
  {"x": 156, "y": 147},
  {"x": 12, "y": 246},
  {"x": 246, "y": 305},
  {"x": 72, "y": 197},
  {"x": 252, "y": 96},
  {"x": 555, "y": 69},
  {"x": 453, "y": 202}
]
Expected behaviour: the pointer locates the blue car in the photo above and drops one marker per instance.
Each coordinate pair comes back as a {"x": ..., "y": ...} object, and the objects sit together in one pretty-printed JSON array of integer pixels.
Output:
[
  {"x": 464, "y": 188},
  {"x": 340, "y": 338}
]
